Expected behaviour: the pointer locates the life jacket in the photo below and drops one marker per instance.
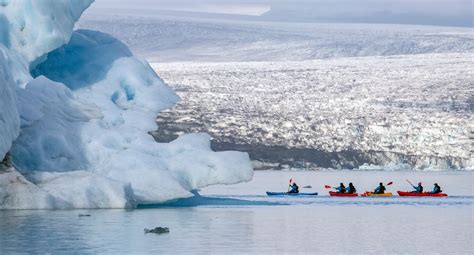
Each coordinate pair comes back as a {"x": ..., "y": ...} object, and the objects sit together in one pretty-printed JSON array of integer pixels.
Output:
[
  {"x": 341, "y": 189},
  {"x": 352, "y": 189}
]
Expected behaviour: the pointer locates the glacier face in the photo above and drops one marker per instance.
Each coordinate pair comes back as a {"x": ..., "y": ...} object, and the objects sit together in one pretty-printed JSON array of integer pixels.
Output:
[
  {"x": 338, "y": 113},
  {"x": 82, "y": 122}
]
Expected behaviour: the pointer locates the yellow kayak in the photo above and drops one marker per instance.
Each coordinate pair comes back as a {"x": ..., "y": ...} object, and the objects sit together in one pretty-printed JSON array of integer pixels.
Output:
[{"x": 372, "y": 194}]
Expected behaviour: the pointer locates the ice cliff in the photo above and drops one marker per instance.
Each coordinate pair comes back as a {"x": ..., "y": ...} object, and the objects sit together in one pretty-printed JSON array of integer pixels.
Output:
[{"x": 76, "y": 109}]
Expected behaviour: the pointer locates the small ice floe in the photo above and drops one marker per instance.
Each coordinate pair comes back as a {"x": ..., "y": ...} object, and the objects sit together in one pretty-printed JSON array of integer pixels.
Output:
[
  {"x": 157, "y": 230},
  {"x": 84, "y": 215}
]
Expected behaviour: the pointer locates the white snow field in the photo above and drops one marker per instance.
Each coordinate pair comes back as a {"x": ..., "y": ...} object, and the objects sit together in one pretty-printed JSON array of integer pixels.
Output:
[{"x": 77, "y": 127}]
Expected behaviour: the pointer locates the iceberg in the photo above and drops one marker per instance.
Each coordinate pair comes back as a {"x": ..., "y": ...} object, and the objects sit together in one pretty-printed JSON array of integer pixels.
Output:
[{"x": 77, "y": 109}]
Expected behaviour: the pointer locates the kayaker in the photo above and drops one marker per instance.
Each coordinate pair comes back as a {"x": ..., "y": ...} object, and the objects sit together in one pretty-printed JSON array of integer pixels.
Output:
[
  {"x": 351, "y": 189},
  {"x": 294, "y": 188},
  {"x": 418, "y": 189},
  {"x": 380, "y": 189},
  {"x": 341, "y": 188},
  {"x": 436, "y": 189}
]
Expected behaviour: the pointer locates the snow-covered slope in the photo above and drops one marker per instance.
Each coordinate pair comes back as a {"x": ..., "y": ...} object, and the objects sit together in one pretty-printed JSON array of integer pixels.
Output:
[
  {"x": 172, "y": 38},
  {"x": 341, "y": 113},
  {"x": 85, "y": 113}
]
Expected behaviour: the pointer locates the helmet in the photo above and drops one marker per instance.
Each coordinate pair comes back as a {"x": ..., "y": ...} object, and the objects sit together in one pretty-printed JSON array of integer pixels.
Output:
[{"x": 419, "y": 183}]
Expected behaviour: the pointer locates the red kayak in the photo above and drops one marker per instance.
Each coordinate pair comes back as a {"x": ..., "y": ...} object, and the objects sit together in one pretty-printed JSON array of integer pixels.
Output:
[
  {"x": 337, "y": 194},
  {"x": 424, "y": 194}
]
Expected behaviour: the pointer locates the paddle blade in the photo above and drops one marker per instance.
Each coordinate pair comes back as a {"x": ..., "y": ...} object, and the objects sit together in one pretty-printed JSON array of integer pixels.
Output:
[
  {"x": 328, "y": 187},
  {"x": 390, "y": 183},
  {"x": 291, "y": 180}
]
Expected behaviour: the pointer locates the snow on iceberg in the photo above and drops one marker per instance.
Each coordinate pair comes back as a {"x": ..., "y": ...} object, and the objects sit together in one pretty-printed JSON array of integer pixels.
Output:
[{"x": 85, "y": 119}]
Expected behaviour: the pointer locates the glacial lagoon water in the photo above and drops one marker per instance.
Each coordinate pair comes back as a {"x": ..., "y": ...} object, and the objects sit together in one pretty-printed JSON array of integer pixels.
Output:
[{"x": 241, "y": 220}]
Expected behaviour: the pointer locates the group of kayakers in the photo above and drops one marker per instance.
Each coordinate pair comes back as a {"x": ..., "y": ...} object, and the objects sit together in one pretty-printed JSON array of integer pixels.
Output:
[
  {"x": 381, "y": 188},
  {"x": 350, "y": 189}
]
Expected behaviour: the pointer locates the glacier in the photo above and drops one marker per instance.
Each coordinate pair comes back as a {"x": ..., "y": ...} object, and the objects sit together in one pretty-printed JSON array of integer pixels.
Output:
[
  {"x": 386, "y": 113},
  {"x": 77, "y": 108}
]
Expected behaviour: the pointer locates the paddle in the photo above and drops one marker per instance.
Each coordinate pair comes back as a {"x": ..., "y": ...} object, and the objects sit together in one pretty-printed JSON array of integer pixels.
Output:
[
  {"x": 410, "y": 183},
  {"x": 388, "y": 184},
  {"x": 328, "y": 187}
]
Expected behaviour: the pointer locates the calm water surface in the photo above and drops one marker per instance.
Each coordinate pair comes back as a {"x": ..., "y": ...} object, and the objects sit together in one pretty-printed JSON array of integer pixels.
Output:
[{"x": 244, "y": 229}]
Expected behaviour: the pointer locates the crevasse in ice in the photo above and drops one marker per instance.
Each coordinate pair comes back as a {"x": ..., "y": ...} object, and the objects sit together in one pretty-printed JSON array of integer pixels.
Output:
[{"x": 78, "y": 131}]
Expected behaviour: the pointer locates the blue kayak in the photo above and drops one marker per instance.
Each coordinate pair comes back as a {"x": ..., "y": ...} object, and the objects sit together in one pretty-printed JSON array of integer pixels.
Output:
[{"x": 291, "y": 194}]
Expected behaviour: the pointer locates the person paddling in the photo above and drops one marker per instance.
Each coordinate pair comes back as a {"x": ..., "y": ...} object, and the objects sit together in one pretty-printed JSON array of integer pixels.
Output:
[
  {"x": 341, "y": 188},
  {"x": 418, "y": 189},
  {"x": 294, "y": 188},
  {"x": 436, "y": 189},
  {"x": 351, "y": 189},
  {"x": 380, "y": 189}
]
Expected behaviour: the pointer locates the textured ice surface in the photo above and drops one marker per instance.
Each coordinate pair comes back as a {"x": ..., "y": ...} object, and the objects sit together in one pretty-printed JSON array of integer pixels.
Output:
[
  {"x": 16, "y": 192},
  {"x": 341, "y": 113},
  {"x": 28, "y": 30},
  {"x": 50, "y": 122},
  {"x": 9, "y": 118},
  {"x": 34, "y": 28}
]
